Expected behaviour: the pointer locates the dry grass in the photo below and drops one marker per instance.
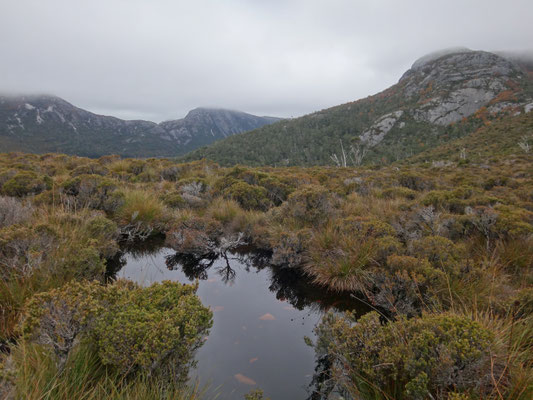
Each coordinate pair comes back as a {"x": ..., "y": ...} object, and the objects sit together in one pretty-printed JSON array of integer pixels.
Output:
[
  {"x": 36, "y": 377},
  {"x": 339, "y": 260}
]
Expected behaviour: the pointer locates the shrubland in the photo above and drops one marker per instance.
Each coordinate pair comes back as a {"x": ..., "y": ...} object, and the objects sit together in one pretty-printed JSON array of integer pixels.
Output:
[{"x": 441, "y": 248}]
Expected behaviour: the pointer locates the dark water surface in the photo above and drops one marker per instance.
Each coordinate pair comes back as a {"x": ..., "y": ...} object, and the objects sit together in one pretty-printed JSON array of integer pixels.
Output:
[{"x": 261, "y": 315}]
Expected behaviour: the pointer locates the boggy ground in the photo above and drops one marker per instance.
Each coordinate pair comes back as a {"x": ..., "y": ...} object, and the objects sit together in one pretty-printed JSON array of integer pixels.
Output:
[{"x": 442, "y": 251}]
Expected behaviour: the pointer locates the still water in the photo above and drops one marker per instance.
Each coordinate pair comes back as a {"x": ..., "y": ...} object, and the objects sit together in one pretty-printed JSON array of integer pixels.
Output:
[{"x": 260, "y": 317}]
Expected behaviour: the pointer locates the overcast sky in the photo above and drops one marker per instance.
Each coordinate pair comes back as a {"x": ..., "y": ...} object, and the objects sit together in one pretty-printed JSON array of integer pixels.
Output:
[{"x": 157, "y": 59}]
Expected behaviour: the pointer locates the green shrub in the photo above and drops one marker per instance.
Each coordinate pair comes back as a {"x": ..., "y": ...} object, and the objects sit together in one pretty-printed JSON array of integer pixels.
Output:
[
  {"x": 23, "y": 249},
  {"x": 441, "y": 252},
  {"x": 192, "y": 186},
  {"x": 513, "y": 221},
  {"x": 310, "y": 205},
  {"x": 401, "y": 192},
  {"x": 102, "y": 228},
  {"x": 277, "y": 190},
  {"x": 419, "y": 358},
  {"x": 91, "y": 191},
  {"x": 437, "y": 198},
  {"x": 14, "y": 211},
  {"x": 523, "y": 303},
  {"x": 174, "y": 200},
  {"x": 57, "y": 318},
  {"x": 415, "y": 181},
  {"x": 152, "y": 330},
  {"x": 26, "y": 183},
  {"x": 171, "y": 173},
  {"x": 136, "y": 167},
  {"x": 385, "y": 247},
  {"x": 256, "y": 394},
  {"x": 289, "y": 248},
  {"x": 78, "y": 261},
  {"x": 248, "y": 196},
  {"x": 156, "y": 329},
  {"x": 90, "y": 169}
]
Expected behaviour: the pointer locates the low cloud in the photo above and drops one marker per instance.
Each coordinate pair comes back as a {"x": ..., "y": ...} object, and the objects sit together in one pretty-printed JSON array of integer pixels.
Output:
[{"x": 158, "y": 59}]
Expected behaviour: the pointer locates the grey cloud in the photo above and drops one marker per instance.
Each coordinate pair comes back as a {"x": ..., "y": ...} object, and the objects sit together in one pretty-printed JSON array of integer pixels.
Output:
[{"x": 158, "y": 59}]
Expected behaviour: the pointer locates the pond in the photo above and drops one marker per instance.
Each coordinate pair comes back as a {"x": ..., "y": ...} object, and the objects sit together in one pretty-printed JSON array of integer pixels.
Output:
[{"x": 261, "y": 315}]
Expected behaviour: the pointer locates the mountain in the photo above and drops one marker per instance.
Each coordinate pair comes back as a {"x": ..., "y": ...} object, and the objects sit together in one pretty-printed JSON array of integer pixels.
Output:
[
  {"x": 42, "y": 124},
  {"x": 203, "y": 126},
  {"x": 443, "y": 96}
]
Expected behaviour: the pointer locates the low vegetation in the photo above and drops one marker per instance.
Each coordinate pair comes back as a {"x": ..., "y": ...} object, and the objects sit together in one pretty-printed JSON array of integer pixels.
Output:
[{"x": 440, "y": 248}]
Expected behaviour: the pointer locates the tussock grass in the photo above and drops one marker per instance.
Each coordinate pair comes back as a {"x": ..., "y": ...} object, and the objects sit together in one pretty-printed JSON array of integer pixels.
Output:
[
  {"x": 36, "y": 376},
  {"x": 339, "y": 260},
  {"x": 141, "y": 206}
]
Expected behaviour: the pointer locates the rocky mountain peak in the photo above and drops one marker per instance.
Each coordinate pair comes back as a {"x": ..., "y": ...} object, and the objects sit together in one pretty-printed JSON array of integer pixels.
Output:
[{"x": 452, "y": 85}]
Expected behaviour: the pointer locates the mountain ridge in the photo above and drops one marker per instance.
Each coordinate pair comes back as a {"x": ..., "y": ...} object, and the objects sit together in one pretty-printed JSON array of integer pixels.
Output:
[{"x": 47, "y": 123}]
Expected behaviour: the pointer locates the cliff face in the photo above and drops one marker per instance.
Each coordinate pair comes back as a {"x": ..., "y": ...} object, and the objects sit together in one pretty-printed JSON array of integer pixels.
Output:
[{"x": 49, "y": 124}]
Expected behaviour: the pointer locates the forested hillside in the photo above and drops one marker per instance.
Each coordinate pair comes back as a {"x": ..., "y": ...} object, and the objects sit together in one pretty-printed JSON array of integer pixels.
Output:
[{"x": 441, "y": 98}]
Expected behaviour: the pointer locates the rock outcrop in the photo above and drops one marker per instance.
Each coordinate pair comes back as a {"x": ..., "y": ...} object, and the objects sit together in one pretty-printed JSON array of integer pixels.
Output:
[{"x": 458, "y": 84}]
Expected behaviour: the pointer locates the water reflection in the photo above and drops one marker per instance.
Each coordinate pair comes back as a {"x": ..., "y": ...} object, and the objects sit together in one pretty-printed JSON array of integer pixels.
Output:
[
  {"x": 289, "y": 284},
  {"x": 261, "y": 315}
]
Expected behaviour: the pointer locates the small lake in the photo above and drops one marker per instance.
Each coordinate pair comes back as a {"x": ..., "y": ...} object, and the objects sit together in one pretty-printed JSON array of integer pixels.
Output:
[{"x": 260, "y": 317}]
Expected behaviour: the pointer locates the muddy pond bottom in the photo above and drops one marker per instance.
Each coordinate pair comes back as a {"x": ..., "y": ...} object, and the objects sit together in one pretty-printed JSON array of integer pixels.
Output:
[{"x": 260, "y": 318}]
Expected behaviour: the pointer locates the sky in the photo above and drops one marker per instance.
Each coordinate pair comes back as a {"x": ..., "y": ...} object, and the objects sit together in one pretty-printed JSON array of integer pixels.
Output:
[{"x": 157, "y": 59}]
